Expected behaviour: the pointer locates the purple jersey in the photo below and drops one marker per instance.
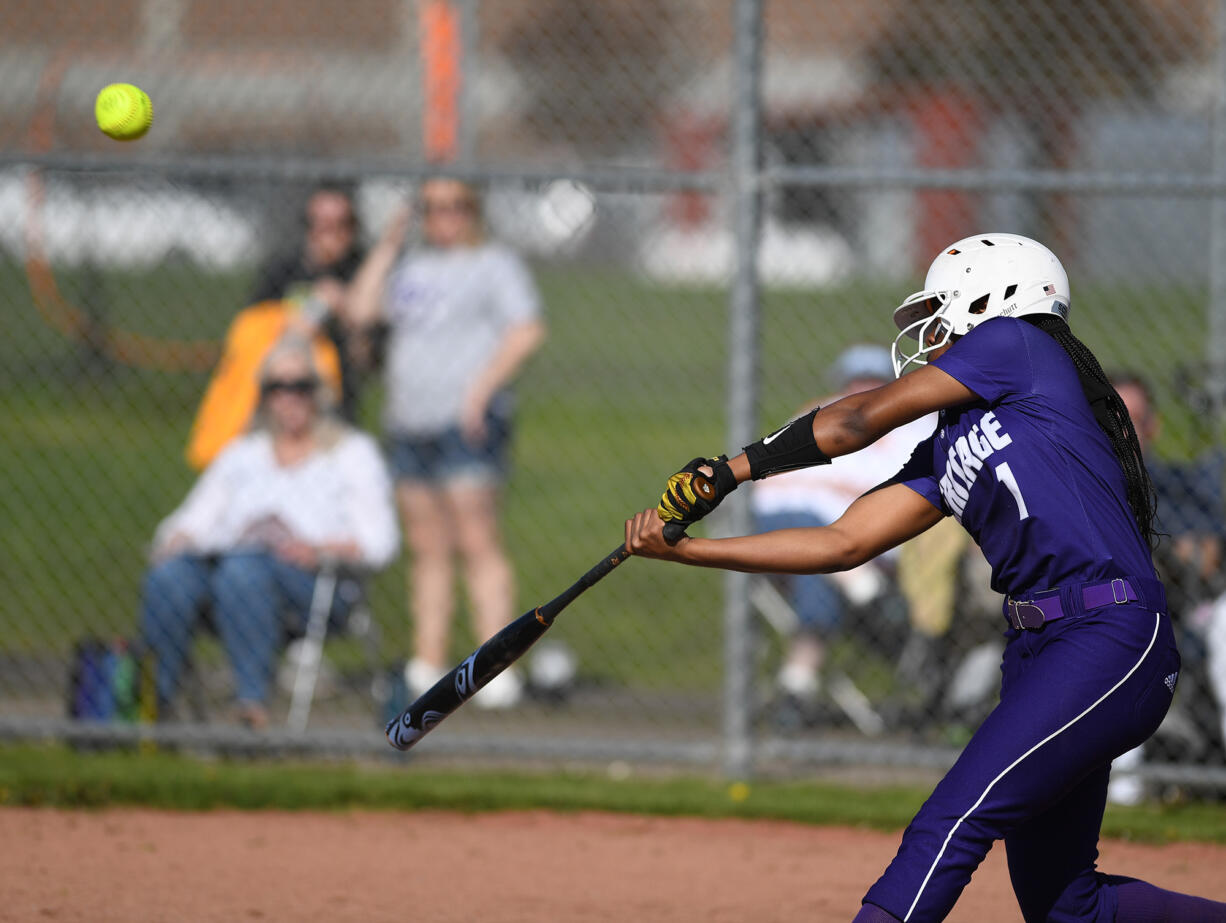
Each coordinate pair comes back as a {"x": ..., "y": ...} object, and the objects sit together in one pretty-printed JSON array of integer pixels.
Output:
[{"x": 1027, "y": 470}]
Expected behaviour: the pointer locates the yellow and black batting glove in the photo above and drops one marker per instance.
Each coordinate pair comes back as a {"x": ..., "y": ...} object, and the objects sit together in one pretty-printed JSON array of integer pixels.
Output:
[{"x": 690, "y": 494}]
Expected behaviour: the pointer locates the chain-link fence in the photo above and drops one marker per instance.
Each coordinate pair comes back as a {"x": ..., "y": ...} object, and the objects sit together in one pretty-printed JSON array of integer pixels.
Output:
[{"x": 715, "y": 201}]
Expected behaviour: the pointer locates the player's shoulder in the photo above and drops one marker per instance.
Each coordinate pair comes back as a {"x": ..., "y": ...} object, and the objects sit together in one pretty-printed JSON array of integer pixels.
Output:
[
  {"x": 1001, "y": 337},
  {"x": 1015, "y": 330},
  {"x": 999, "y": 329}
]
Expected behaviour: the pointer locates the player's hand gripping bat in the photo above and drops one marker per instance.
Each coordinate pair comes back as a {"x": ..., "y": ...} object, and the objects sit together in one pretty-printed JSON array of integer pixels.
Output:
[{"x": 490, "y": 659}]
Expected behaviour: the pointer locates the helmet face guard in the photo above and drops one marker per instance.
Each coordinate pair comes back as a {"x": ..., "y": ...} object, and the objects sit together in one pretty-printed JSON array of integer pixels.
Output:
[{"x": 922, "y": 329}]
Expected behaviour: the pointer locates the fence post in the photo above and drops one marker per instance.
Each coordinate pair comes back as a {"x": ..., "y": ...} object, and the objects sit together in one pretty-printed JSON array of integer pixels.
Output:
[
  {"x": 1217, "y": 230},
  {"x": 470, "y": 44},
  {"x": 743, "y": 347}
]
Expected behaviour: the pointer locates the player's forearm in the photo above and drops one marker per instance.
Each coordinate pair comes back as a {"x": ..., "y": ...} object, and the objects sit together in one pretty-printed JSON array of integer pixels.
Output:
[
  {"x": 784, "y": 551},
  {"x": 837, "y": 429}
]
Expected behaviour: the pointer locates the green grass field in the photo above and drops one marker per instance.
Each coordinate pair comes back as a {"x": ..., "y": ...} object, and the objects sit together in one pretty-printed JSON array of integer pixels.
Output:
[
  {"x": 630, "y": 385},
  {"x": 59, "y": 777}
]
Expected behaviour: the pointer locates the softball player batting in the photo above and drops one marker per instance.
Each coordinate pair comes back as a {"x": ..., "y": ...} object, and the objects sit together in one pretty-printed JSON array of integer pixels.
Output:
[{"x": 1035, "y": 455}]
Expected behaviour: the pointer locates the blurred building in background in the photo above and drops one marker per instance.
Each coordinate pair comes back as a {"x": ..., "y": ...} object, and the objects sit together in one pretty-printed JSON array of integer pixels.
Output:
[{"x": 1124, "y": 86}]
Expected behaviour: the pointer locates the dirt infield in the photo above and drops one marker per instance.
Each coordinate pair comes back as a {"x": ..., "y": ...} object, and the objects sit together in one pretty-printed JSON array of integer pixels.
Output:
[{"x": 138, "y": 865}]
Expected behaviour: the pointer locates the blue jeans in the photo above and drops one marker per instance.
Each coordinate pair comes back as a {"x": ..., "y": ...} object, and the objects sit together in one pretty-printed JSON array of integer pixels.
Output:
[
  {"x": 816, "y": 598},
  {"x": 250, "y": 595},
  {"x": 437, "y": 458}
]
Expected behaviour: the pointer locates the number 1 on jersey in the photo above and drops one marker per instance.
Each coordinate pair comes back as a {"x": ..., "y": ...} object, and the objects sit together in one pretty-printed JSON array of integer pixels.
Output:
[{"x": 1005, "y": 475}]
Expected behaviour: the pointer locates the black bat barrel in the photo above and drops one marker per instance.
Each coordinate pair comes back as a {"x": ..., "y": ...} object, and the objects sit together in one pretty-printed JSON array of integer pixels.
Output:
[
  {"x": 462, "y": 683},
  {"x": 490, "y": 659}
]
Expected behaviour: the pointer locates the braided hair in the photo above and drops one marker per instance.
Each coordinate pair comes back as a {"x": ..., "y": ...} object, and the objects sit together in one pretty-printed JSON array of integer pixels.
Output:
[{"x": 1112, "y": 416}]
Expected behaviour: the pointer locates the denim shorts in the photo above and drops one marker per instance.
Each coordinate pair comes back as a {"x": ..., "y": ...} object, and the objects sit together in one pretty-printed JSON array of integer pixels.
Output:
[{"x": 446, "y": 456}]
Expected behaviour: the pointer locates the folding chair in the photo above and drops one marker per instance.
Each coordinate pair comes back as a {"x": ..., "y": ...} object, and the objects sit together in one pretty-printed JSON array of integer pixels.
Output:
[
  {"x": 765, "y": 597},
  {"x": 333, "y": 577}
]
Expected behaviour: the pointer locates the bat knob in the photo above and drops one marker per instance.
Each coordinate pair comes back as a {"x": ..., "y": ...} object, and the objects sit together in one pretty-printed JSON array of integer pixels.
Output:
[{"x": 673, "y": 532}]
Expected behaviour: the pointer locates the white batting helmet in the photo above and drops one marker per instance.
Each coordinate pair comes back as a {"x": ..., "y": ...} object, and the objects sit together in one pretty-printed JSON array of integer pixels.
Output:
[{"x": 973, "y": 280}]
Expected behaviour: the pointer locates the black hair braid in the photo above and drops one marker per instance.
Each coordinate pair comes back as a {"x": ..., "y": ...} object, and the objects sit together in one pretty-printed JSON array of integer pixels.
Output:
[{"x": 1112, "y": 416}]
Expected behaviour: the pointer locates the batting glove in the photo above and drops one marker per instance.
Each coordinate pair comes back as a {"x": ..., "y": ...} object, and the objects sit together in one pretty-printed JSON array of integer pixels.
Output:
[{"x": 691, "y": 495}]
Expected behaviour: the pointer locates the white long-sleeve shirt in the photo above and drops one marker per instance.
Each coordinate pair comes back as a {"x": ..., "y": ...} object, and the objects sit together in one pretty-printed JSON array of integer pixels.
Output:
[{"x": 338, "y": 494}]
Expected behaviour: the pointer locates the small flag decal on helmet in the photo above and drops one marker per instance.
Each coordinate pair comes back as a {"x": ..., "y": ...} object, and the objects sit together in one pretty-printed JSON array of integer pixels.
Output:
[{"x": 1049, "y": 289}]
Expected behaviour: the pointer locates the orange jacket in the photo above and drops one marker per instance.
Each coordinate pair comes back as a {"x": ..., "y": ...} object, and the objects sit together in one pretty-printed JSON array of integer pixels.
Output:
[{"x": 233, "y": 390}]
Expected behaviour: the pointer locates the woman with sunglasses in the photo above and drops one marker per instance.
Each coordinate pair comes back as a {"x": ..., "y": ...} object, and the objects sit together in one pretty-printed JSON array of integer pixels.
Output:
[
  {"x": 1035, "y": 456},
  {"x": 300, "y": 488},
  {"x": 463, "y": 316}
]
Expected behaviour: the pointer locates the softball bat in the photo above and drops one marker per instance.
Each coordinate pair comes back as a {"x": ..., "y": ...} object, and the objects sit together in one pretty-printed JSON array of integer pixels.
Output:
[{"x": 490, "y": 659}]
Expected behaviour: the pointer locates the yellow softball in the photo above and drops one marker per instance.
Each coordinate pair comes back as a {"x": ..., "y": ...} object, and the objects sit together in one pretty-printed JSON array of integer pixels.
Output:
[{"x": 124, "y": 112}]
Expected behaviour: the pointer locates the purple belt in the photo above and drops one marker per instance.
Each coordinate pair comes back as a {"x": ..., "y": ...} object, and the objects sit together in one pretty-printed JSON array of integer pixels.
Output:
[{"x": 1049, "y": 605}]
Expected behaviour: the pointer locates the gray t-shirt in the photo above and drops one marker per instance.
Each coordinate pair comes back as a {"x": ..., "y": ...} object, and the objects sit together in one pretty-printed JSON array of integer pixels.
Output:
[{"x": 448, "y": 311}]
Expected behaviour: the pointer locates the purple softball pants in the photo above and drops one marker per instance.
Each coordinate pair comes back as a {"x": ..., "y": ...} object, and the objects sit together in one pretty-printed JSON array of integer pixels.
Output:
[{"x": 1074, "y": 695}]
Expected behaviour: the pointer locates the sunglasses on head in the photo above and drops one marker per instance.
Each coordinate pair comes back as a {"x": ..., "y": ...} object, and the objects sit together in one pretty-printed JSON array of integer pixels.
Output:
[{"x": 289, "y": 385}]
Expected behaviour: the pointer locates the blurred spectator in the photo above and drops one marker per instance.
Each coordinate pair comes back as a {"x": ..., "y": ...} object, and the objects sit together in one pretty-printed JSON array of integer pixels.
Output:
[
  {"x": 326, "y": 259},
  {"x": 246, "y": 544},
  {"x": 303, "y": 290},
  {"x": 952, "y": 653},
  {"x": 1191, "y": 520},
  {"x": 817, "y": 497},
  {"x": 463, "y": 316},
  {"x": 316, "y": 272},
  {"x": 1191, "y": 515},
  {"x": 233, "y": 392}
]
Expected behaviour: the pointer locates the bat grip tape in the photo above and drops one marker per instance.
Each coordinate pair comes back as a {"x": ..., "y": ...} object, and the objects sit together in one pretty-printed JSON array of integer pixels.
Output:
[{"x": 598, "y": 572}]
